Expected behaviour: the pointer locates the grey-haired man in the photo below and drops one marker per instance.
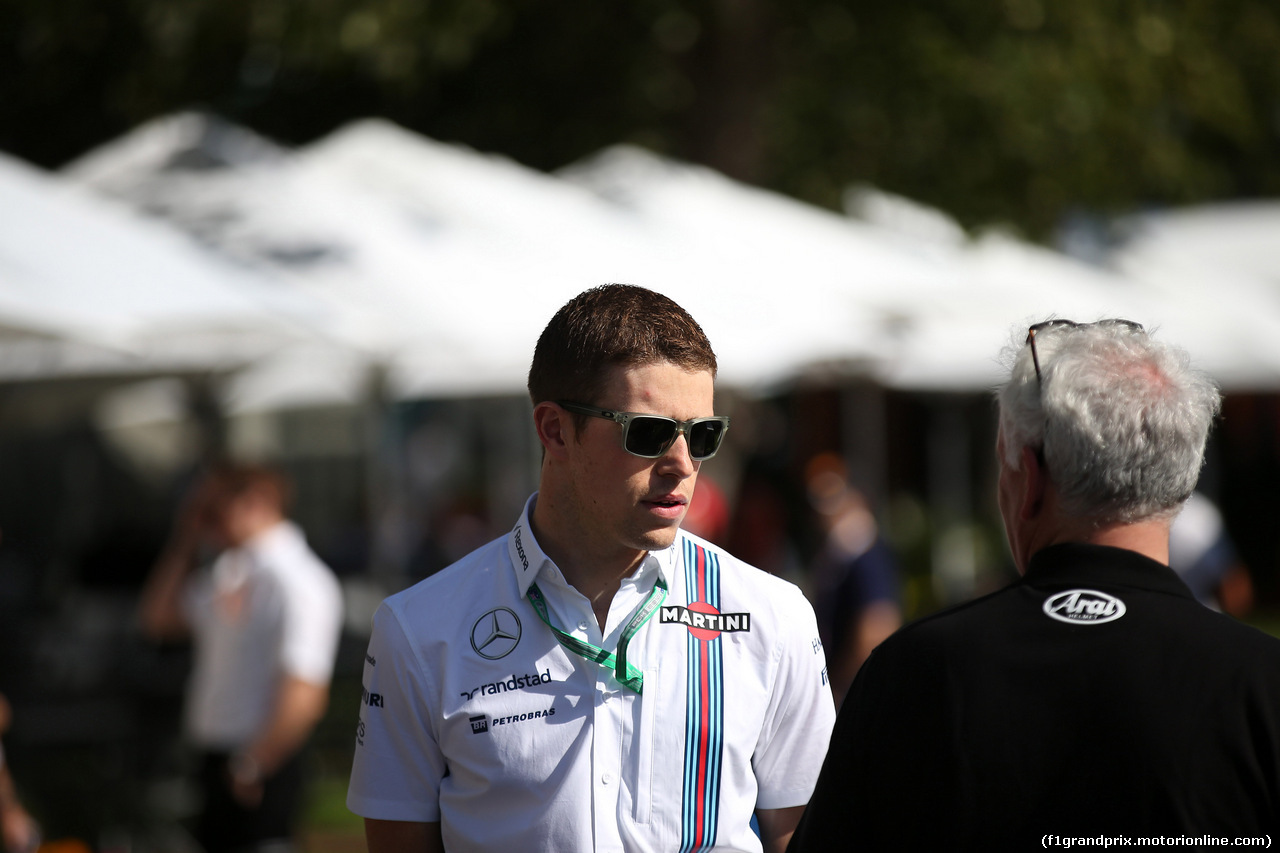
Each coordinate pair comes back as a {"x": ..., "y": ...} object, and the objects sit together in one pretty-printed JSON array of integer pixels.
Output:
[{"x": 1095, "y": 696}]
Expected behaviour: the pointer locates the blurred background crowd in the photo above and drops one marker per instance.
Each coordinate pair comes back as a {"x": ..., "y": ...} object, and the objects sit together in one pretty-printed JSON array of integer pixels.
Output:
[{"x": 325, "y": 235}]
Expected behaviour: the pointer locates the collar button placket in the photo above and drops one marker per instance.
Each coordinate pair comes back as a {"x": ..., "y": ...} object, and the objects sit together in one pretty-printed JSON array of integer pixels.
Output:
[{"x": 608, "y": 736}]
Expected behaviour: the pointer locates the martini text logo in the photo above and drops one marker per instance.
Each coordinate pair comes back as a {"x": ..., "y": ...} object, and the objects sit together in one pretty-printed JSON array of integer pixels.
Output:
[{"x": 704, "y": 621}]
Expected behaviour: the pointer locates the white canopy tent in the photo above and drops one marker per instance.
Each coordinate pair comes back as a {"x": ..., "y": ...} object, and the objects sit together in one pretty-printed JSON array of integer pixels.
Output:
[
  {"x": 500, "y": 247},
  {"x": 444, "y": 264},
  {"x": 441, "y": 264},
  {"x": 782, "y": 287},
  {"x": 427, "y": 253},
  {"x": 953, "y": 342},
  {"x": 101, "y": 291},
  {"x": 256, "y": 205},
  {"x": 767, "y": 276},
  {"x": 1237, "y": 238},
  {"x": 1221, "y": 262}
]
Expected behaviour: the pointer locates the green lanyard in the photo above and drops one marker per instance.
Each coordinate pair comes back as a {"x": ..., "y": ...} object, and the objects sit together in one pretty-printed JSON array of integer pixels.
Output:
[{"x": 626, "y": 674}]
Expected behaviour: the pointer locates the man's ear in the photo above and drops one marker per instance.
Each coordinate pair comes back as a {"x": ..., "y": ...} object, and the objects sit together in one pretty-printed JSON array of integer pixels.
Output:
[
  {"x": 555, "y": 429},
  {"x": 1035, "y": 482}
]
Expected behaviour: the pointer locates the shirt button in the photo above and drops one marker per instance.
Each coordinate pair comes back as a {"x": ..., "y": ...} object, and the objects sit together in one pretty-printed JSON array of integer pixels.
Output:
[
  {"x": 582, "y": 626},
  {"x": 606, "y": 779}
]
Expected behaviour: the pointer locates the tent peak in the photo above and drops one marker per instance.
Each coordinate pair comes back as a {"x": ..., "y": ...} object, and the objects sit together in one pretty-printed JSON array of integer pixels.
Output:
[{"x": 188, "y": 141}]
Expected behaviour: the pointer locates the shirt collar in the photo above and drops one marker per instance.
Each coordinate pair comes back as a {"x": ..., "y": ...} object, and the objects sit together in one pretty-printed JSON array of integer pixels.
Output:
[
  {"x": 284, "y": 534},
  {"x": 531, "y": 563},
  {"x": 1077, "y": 562}
]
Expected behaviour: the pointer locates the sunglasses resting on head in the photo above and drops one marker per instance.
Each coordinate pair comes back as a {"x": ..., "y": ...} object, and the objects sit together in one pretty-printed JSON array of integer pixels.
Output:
[
  {"x": 649, "y": 436},
  {"x": 1072, "y": 324}
]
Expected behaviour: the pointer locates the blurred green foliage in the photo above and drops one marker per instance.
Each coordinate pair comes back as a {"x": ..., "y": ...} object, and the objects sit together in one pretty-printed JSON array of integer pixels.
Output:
[{"x": 1012, "y": 111}]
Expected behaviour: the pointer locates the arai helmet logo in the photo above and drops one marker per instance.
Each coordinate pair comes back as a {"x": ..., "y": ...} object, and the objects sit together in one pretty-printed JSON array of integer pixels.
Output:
[{"x": 1084, "y": 607}]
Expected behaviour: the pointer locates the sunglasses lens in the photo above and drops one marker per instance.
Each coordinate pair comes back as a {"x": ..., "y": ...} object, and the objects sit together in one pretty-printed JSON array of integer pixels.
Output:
[
  {"x": 649, "y": 436},
  {"x": 704, "y": 439}
]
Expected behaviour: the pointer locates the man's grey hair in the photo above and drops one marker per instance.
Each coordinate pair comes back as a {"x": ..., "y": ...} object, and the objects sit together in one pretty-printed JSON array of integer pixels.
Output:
[{"x": 1120, "y": 418}]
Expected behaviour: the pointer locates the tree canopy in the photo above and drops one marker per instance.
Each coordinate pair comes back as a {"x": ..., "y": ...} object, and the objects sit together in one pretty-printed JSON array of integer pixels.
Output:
[{"x": 1015, "y": 111}]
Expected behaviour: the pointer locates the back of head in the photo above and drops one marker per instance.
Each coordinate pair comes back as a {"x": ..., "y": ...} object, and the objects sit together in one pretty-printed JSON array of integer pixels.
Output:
[
  {"x": 609, "y": 326},
  {"x": 235, "y": 480},
  {"x": 1121, "y": 419}
]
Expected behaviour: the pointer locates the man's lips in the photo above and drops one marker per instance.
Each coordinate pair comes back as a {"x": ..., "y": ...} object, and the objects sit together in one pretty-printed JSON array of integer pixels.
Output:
[{"x": 668, "y": 503}]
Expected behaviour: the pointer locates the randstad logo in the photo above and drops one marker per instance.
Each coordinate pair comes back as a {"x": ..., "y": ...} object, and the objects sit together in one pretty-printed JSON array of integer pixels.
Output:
[
  {"x": 1084, "y": 607},
  {"x": 515, "y": 682}
]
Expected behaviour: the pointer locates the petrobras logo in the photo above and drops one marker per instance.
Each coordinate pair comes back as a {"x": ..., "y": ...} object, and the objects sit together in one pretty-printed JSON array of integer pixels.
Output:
[
  {"x": 525, "y": 717},
  {"x": 704, "y": 621},
  {"x": 1084, "y": 607},
  {"x": 481, "y": 722},
  {"x": 515, "y": 682}
]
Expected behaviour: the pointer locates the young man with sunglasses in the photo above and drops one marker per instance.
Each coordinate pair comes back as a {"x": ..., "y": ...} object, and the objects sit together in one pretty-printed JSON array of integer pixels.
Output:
[
  {"x": 1094, "y": 698},
  {"x": 598, "y": 679}
]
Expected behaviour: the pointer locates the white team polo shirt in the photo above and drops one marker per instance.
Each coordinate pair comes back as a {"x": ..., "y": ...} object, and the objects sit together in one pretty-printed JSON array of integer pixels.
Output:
[
  {"x": 265, "y": 610},
  {"x": 474, "y": 715}
]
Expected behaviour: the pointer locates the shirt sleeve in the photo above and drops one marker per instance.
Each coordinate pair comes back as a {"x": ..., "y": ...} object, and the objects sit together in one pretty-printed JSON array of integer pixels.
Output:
[
  {"x": 398, "y": 765},
  {"x": 196, "y": 597},
  {"x": 312, "y": 624},
  {"x": 797, "y": 726}
]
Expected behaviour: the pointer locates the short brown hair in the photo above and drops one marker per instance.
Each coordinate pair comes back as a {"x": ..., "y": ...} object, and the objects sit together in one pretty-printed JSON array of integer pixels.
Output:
[
  {"x": 233, "y": 479},
  {"x": 612, "y": 325}
]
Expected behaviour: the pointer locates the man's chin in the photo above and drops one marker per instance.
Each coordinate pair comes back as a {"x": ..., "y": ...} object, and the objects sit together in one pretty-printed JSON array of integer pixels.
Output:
[{"x": 659, "y": 539}]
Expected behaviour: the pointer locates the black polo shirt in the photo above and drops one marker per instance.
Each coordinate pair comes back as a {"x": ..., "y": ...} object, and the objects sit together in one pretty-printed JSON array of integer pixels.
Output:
[{"x": 1093, "y": 696}]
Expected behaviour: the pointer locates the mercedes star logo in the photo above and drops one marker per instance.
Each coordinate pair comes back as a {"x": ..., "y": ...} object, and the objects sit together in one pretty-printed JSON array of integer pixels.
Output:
[{"x": 496, "y": 634}]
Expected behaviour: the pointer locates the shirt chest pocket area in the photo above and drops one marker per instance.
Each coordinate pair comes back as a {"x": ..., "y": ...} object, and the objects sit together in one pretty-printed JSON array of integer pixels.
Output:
[{"x": 514, "y": 741}]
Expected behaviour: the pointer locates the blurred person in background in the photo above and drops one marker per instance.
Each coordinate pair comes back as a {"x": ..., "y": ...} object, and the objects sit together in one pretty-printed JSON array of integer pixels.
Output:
[
  {"x": 1203, "y": 555},
  {"x": 759, "y": 530},
  {"x": 265, "y": 618},
  {"x": 853, "y": 577},
  {"x": 1095, "y": 695},
  {"x": 19, "y": 832},
  {"x": 598, "y": 679}
]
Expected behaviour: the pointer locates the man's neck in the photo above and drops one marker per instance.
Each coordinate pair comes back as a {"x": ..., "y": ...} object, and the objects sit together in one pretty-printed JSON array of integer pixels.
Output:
[
  {"x": 1047, "y": 523},
  {"x": 597, "y": 576},
  {"x": 1148, "y": 538},
  {"x": 600, "y": 590}
]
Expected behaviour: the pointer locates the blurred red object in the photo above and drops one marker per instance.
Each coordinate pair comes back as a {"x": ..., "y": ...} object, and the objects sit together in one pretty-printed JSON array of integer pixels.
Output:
[
  {"x": 64, "y": 845},
  {"x": 708, "y": 513}
]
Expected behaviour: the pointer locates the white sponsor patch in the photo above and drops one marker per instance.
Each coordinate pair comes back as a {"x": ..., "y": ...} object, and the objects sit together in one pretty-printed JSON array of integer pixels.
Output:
[{"x": 1084, "y": 607}]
